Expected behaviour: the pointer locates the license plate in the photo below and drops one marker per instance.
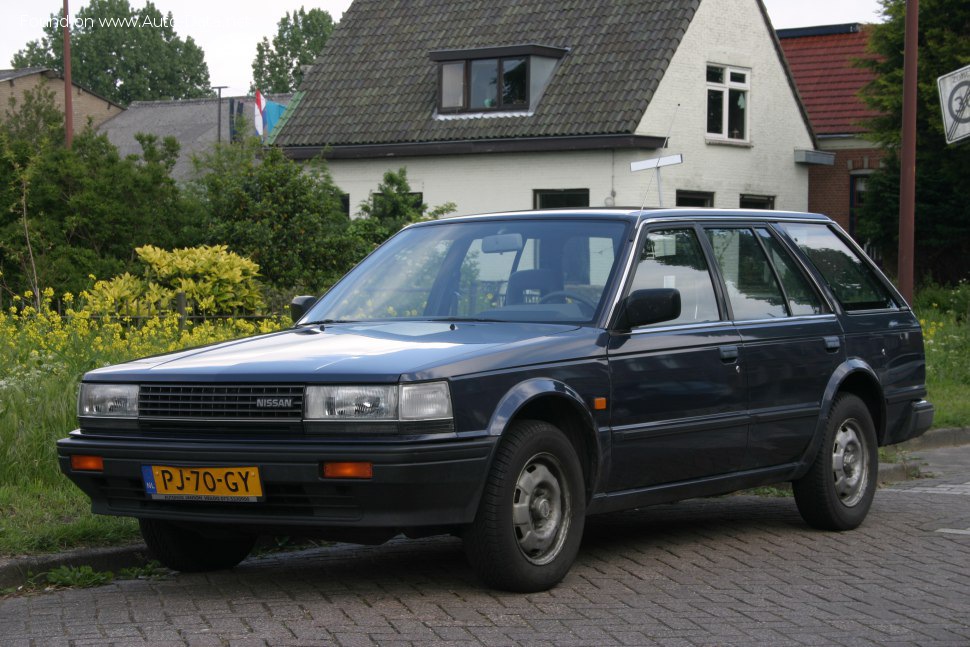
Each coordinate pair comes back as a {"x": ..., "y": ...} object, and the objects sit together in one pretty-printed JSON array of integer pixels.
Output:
[{"x": 169, "y": 482}]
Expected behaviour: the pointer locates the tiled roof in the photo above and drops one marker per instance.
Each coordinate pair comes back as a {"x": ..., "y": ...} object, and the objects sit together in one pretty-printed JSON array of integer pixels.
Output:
[
  {"x": 374, "y": 82},
  {"x": 822, "y": 64},
  {"x": 7, "y": 75},
  {"x": 193, "y": 122}
]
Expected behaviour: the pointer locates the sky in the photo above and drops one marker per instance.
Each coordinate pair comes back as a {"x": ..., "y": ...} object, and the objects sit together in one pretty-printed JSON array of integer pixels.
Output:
[{"x": 228, "y": 30}]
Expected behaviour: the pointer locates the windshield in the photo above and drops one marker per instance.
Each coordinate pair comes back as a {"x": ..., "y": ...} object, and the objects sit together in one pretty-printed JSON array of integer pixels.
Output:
[{"x": 500, "y": 270}]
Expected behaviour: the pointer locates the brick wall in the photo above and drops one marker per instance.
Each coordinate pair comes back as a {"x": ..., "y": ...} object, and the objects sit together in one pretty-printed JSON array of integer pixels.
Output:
[
  {"x": 829, "y": 187},
  {"x": 85, "y": 105}
]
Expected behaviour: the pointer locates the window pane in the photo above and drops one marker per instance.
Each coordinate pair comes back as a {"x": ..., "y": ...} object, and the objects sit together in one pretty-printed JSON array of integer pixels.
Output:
[
  {"x": 715, "y": 74},
  {"x": 560, "y": 198},
  {"x": 715, "y": 112},
  {"x": 737, "y": 105},
  {"x": 852, "y": 281},
  {"x": 514, "y": 88},
  {"x": 484, "y": 83},
  {"x": 757, "y": 201},
  {"x": 802, "y": 299},
  {"x": 751, "y": 285},
  {"x": 673, "y": 259},
  {"x": 695, "y": 199},
  {"x": 739, "y": 77},
  {"x": 452, "y": 85}
]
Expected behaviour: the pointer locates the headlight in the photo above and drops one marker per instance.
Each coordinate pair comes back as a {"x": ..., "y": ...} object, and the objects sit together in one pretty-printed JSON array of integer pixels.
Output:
[
  {"x": 351, "y": 402},
  {"x": 428, "y": 401},
  {"x": 392, "y": 402},
  {"x": 108, "y": 400}
]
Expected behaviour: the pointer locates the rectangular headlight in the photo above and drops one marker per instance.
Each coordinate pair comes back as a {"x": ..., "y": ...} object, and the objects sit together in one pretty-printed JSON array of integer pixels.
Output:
[
  {"x": 428, "y": 401},
  {"x": 108, "y": 400},
  {"x": 351, "y": 402},
  {"x": 392, "y": 402}
]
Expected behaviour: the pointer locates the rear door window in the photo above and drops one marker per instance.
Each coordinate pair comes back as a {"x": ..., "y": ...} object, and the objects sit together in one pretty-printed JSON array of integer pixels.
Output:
[
  {"x": 802, "y": 298},
  {"x": 752, "y": 287}
]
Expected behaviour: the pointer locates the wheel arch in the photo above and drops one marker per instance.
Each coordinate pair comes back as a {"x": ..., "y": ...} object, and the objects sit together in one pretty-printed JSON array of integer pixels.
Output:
[
  {"x": 853, "y": 376},
  {"x": 557, "y": 403}
]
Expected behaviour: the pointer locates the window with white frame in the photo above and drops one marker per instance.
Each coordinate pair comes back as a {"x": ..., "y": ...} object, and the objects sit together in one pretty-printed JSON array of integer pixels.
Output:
[{"x": 727, "y": 102}]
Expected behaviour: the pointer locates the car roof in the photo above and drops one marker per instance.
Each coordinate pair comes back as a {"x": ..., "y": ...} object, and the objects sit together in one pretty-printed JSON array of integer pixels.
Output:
[{"x": 639, "y": 215}]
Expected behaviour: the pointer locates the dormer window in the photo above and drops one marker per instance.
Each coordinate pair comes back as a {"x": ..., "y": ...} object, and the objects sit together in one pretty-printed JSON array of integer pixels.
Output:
[{"x": 494, "y": 79}]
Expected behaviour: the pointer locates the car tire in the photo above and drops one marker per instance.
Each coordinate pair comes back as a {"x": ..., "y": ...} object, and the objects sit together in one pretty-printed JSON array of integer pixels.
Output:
[
  {"x": 837, "y": 491},
  {"x": 531, "y": 516},
  {"x": 181, "y": 548}
]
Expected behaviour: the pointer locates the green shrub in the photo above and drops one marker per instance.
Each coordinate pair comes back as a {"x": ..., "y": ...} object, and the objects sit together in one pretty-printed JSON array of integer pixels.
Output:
[{"x": 213, "y": 279}]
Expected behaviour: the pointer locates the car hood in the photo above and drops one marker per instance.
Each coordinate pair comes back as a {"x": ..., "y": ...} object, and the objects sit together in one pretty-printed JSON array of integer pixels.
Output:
[{"x": 366, "y": 352}]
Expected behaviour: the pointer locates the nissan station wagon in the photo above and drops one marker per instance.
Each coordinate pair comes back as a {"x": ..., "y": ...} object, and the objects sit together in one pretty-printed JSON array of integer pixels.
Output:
[{"x": 502, "y": 377}]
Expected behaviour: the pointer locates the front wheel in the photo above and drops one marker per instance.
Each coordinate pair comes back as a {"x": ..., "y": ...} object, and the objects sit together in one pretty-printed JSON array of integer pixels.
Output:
[
  {"x": 837, "y": 491},
  {"x": 530, "y": 520},
  {"x": 182, "y": 548}
]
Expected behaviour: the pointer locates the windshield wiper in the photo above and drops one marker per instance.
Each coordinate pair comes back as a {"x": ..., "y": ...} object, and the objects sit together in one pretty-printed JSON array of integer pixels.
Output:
[{"x": 323, "y": 322}]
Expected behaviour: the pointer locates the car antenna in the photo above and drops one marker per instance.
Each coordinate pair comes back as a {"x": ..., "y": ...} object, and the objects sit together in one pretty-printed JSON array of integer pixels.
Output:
[{"x": 658, "y": 163}]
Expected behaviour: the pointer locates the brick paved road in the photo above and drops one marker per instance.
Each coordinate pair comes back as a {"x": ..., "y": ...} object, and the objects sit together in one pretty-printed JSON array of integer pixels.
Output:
[{"x": 728, "y": 571}]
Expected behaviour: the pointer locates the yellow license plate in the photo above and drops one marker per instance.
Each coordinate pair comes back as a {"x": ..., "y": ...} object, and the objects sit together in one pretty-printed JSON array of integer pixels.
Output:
[{"x": 202, "y": 483}]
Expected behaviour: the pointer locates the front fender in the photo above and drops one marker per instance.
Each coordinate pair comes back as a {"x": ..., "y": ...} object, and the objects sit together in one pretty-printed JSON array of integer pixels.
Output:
[{"x": 524, "y": 392}]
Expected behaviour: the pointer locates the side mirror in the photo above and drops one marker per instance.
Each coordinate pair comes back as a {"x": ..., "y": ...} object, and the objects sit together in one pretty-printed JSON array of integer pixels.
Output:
[
  {"x": 300, "y": 305},
  {"x": 644, "y": 307}
]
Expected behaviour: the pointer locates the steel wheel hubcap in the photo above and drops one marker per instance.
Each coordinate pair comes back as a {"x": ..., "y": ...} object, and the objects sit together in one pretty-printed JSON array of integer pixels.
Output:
[
  {"x": 850, "y": 463},
  {"x": 541, "y": 509}
]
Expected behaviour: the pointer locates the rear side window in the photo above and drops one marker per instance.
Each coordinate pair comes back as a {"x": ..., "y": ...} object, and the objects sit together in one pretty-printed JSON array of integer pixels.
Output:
[{"x": 852, "y": 280}]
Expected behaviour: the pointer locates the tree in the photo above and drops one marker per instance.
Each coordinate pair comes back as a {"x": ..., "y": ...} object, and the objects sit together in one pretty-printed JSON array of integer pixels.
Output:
[
  {"x": 942, "y": 212},
  {"x": 277, "y": 68},
  {"x": 65, "y": 214},
  {"x": 266, "y": 208},
  {"x": 123, "y": 54}
]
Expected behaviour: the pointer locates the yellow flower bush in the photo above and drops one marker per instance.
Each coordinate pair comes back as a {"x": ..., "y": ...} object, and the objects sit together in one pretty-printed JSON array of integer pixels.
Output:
[{"x": 43, "y": 355}]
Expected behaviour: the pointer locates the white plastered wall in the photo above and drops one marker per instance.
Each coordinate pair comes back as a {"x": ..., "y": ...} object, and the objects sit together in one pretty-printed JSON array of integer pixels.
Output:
[
  {"x": 733, "y": 33},
  {"x": 729, "y": 32}
]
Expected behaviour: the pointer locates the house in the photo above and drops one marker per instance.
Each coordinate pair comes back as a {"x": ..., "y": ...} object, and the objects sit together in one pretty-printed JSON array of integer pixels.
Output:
[
  {"x": 197, "y": 124},
  {"x": 823, "y": 62},
  {"x": 511, "y": 104},
  {"x": 86, "y": 105}
]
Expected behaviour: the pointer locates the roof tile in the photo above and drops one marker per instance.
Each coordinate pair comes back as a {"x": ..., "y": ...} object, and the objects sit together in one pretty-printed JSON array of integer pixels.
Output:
[{"x": 374, "y": 82}]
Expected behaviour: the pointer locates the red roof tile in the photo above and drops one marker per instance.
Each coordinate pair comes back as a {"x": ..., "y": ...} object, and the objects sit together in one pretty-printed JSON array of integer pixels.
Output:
[{"x": 829, "y": 82}]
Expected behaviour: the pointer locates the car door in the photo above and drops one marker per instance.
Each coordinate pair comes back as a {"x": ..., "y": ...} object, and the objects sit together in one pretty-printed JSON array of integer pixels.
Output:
[
  {"x": 790, "y": 341},
  {"x": 678, "y": 394},
  {"x": 880, "y": 330}
]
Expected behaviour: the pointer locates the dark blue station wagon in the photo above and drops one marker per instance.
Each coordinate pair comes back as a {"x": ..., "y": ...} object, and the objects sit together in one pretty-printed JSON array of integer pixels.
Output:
[{"x": 501, "y": 377}]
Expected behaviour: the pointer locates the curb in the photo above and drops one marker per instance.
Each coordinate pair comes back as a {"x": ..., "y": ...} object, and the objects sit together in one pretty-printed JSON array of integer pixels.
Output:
[{"x": 15, "y": 571}]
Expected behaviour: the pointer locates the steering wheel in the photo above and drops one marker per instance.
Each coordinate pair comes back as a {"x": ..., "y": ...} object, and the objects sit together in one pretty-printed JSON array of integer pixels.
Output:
[{"x": 566, "y": 294}]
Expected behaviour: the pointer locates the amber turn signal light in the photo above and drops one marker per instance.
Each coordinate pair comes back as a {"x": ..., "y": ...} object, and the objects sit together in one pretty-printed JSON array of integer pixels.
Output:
[
  {"x": 348, "y": 470},
  {"x": 80, "y": 463},
  {"x": 599, "y": 404}
]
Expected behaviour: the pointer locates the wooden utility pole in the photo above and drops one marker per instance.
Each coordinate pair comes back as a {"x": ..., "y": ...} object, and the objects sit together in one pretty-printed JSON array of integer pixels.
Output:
[
  {"x": 907, "y": 177},
  {"x": 68, "y": 86}
]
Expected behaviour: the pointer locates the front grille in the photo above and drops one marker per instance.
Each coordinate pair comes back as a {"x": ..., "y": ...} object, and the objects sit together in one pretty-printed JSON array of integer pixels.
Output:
[{"x": 221, "y": 401}]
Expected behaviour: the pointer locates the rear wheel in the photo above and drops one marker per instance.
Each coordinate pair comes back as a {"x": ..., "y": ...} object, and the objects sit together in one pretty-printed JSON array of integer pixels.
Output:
[
  {"x": 183, "y": 548},
  {"x": 838, "y": 490},
  {"x": 530, "y": 520}
]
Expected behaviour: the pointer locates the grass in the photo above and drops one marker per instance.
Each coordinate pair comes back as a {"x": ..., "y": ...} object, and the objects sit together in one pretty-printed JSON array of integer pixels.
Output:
[{"x": 43, "y": 355}]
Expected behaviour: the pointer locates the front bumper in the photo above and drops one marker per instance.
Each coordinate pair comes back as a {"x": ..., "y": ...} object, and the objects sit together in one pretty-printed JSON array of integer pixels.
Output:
[{"x": 420, "y": 484}]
